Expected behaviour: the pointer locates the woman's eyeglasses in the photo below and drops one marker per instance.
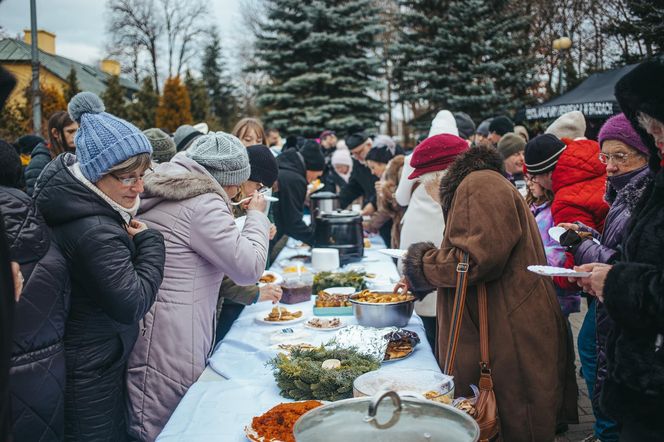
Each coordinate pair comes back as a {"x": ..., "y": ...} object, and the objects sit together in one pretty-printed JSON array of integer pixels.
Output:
[
  {"x": 128, "y": 182},
  {"x": 615, "y": 158}
]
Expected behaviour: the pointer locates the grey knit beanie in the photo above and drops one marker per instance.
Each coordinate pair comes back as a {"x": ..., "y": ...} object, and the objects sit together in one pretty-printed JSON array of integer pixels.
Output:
[
  {"x": 511, "y": 143},
  {"x": 570, "y": 125},
  {"x": 163, "y": 146},
  {"x": 223, "y": 156}
]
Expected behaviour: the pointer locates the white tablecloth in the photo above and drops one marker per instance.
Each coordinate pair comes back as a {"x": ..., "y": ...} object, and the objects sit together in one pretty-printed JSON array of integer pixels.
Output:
[{"x": 220, "y": 404}]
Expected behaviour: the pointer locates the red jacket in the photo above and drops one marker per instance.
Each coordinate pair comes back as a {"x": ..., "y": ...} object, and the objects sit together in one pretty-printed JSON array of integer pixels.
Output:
[{"x": 579, "y": 183}]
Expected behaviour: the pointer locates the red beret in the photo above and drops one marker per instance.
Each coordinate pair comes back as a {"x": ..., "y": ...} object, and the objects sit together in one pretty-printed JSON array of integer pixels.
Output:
[{"x": 436, "y": 153}]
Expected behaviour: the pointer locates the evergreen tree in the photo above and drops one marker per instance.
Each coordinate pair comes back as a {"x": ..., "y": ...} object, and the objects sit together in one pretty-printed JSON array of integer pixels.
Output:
[
  {"x": 142, "y": 110},
  {"x": 71, "y": 88},
  {"x": 318, "y": 57},
  {"x": 198, "y": 95},
  {"x": 222, "y": 102},
  {"x": 646, "y": 26},
  {"x": 114, "y": 97},
  {"x": 174, "y": 106}
]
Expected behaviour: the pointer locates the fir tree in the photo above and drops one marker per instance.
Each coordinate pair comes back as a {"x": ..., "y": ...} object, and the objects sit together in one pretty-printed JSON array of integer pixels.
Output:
[
  {"x": 71, "y": 88},
  {"x": 114, "y": 97},
  {"x": 142, "y": 110},
  {"x": 174, "y": 105},
  {"x": 198, "y": 95},
  {"x": 318, "y": 57},
  {"x": 222, "y": 102},
  {"x": 646, "y": 26}
]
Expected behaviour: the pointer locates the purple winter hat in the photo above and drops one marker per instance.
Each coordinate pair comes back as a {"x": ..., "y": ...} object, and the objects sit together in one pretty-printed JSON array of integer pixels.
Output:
[{"x": 619, "y": 128}]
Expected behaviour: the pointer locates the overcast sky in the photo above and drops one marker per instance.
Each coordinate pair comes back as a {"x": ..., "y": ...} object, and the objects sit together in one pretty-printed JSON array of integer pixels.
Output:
[{"x": 79, "y": 25}]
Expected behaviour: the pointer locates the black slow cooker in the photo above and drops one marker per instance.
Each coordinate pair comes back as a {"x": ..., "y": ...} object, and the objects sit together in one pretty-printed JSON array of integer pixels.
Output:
[{"x": 341, "y": 230}]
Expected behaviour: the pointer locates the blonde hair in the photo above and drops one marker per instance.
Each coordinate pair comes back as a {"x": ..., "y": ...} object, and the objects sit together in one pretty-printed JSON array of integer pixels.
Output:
[
  {"x": 246, "y": 125},
  {"x": 141, "y": 161}
]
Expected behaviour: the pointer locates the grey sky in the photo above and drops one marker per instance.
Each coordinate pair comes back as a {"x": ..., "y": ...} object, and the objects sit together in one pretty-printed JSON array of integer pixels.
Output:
[{"x": 80, "y": 26}]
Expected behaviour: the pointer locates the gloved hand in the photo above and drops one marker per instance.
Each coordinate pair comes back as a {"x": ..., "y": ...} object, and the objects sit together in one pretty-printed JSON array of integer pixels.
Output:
[{"x": 572, "y": 239}]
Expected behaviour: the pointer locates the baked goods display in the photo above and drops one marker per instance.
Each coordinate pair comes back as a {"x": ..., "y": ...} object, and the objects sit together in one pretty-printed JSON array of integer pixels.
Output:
[
  {"x": 326, "y": 300},
  {"x": 381, "y": 298},
  {"x": 401, "y": 344},
  {"x": 324, "y": 323},
  {"x": 281, "y": 314},
  {"x": 268, "y": 278},
  {"x": 276, "y": 424}
]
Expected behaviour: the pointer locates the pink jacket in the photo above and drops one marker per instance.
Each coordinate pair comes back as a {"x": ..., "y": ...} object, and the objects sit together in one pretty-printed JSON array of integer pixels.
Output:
[{"x": 184, "y": 202}]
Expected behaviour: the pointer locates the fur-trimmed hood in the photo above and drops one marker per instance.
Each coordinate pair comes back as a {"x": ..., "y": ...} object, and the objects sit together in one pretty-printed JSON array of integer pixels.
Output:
[
  {"x": 474, "y": 159},
  {"x": 180, "y": 179}
]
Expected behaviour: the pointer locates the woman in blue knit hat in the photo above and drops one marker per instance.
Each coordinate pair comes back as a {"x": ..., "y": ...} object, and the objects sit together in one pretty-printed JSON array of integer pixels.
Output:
[{"x": 116, "y": 263}]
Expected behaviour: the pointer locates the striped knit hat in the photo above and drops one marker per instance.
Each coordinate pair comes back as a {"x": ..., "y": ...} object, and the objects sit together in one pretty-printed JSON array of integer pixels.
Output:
[
  {"x": 542, "y": 153},
  {"x": 103, "y": 140}
]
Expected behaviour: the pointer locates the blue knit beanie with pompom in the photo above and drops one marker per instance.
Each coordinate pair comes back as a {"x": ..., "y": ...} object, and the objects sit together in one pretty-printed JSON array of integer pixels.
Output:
[{"x": 103, "y": 140}]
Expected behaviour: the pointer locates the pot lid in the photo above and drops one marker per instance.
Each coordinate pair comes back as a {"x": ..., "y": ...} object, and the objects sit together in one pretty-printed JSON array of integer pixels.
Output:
[
  {"x": 373, "y": 418},
  {"x": 323, "y": 195},
  {"x": 340, "y": 214}
]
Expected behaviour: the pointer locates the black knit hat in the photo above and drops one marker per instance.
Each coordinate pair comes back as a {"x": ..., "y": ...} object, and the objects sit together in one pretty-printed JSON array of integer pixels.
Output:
[
  {"x": 542, "y": 153},
  {"x": 313, "y": 157},
  {"x": 27, "y": 143},
  {"x": 465, "y": 125},
  {"x": 10, "y": 166},
  {"x": 264, "y": 167},
  {"x": 380, "y": 154},
  {"x": 642, "y": 90},
  {"x": 356, "y": 139},
  {"x": 501, "y": 125}
]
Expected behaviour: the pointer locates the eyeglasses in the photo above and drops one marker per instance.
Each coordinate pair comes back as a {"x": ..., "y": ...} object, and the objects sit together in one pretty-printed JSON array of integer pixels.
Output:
[
  {"x": 615, "y": 158},
  {"x": 128, "y": 182}
]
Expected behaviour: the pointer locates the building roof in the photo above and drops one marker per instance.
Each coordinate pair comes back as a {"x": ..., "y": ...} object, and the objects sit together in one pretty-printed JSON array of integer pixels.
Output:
[{"x": 89, "y": 78}]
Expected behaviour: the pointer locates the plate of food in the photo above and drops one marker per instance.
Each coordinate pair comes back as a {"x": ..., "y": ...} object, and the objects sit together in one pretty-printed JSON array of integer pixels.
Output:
[
  {"x": 394, "y": 253},
  {"x": 280, "y": 316},
  {"x": 326, "y": 324},
  {"x": 401, "y": 345},
  {"x": 277, "y": 423},
  {"x": 557, "y": 271},
  {"x": 270, "y": 277}
]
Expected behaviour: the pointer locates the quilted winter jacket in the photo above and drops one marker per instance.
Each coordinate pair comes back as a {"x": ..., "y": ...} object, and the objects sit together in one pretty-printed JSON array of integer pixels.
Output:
[
  {"x": 185, "y": 203},
  {"x": 39, "y": 158},
  {"x": 37, "y": 373},
  {"x": 579, "y": 181},
  {"x": 114, "y": 283}
]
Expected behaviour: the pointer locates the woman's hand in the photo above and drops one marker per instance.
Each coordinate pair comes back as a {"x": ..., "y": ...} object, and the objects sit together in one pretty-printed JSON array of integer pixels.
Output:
[
  {"x": 569, "y": 226},
  {"x": 402, "y": 286},
  {"x": 594, "y": 284},
  {"x": 273, "y": 231},
  {"x": 18, "y": 280},
  {"x": 257, "y": 202},
  {"x": 270, "y": 292},
  {"x": 135, "y": 227}
]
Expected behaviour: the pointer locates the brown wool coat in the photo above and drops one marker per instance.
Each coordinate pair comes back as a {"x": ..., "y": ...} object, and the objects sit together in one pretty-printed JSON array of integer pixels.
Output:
[{"x": 530, "y": 351}]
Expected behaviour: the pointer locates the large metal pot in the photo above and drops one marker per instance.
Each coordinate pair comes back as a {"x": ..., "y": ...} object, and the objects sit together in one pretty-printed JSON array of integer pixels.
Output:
[
  {"x": 384, "y": 314},
  {"x": 365, "y": 419}
]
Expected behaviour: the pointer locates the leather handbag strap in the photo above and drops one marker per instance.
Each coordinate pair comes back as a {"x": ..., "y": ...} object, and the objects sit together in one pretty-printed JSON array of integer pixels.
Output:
[
  {"x": 457, "y": 313},
  {"x": 484, "y": 327}
]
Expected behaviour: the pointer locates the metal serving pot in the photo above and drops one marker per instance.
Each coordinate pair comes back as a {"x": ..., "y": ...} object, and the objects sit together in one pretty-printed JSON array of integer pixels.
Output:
[
  {"x": 363, "y": 419},
  {"x": 384, "y": 314}
]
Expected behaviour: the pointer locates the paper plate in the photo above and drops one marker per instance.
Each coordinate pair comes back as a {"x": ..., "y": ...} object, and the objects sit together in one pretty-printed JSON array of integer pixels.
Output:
[
  {"x": 309, "y": 326},
  {"x": 261, "y": 318},
  {"x": 340, "y": 290},
  {"x": 394, "y": 253},
  {"x": 556, "y": 232},
  {"x": 557, "y": 271},
  {"x": 278, "y": 278}
]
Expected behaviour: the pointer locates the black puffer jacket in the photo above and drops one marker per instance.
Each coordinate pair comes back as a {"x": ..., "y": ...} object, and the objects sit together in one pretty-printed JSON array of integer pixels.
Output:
[
  {"x": 114, "y": 283},
  {"x": 292, "y": 192},
  {"x": 39, "y": 158},
  {"x": 362, "y": 183},
  {"x": 37, "y": 374}
]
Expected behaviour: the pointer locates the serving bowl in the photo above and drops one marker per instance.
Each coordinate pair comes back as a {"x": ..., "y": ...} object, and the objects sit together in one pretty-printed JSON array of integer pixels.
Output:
[{"x": 384, "y": 314}]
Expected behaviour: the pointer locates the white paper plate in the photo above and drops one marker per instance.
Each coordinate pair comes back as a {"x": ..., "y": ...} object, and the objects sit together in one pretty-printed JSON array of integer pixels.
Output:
[
  {"x": 279, "y": 279},
  {"x": 341, "y": 325},
  {"x": 261, "y": 318},
  {"x": 394, "y": 253},
  {"x": 556, "y": 232},
  {"x": 557, "y": 271},
  {"x": 340, "y": 290}
]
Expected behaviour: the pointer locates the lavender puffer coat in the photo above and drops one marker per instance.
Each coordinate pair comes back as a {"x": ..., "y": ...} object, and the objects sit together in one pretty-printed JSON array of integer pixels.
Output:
[
  {"x": 184, "y": 202},
  {"x": 622, "y": 193}
]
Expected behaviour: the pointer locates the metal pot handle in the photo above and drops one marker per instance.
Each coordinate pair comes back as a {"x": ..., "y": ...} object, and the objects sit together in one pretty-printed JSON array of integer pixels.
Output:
[{"x": 373, "y": 409}]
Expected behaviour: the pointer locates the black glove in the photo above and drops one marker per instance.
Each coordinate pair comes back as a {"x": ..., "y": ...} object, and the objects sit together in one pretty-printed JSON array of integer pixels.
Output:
[{"x": 572, "y": 239}]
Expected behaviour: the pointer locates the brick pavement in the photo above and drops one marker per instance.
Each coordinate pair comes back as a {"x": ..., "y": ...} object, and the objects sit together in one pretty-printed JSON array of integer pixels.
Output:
[{"x": 584, "y": 428}]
